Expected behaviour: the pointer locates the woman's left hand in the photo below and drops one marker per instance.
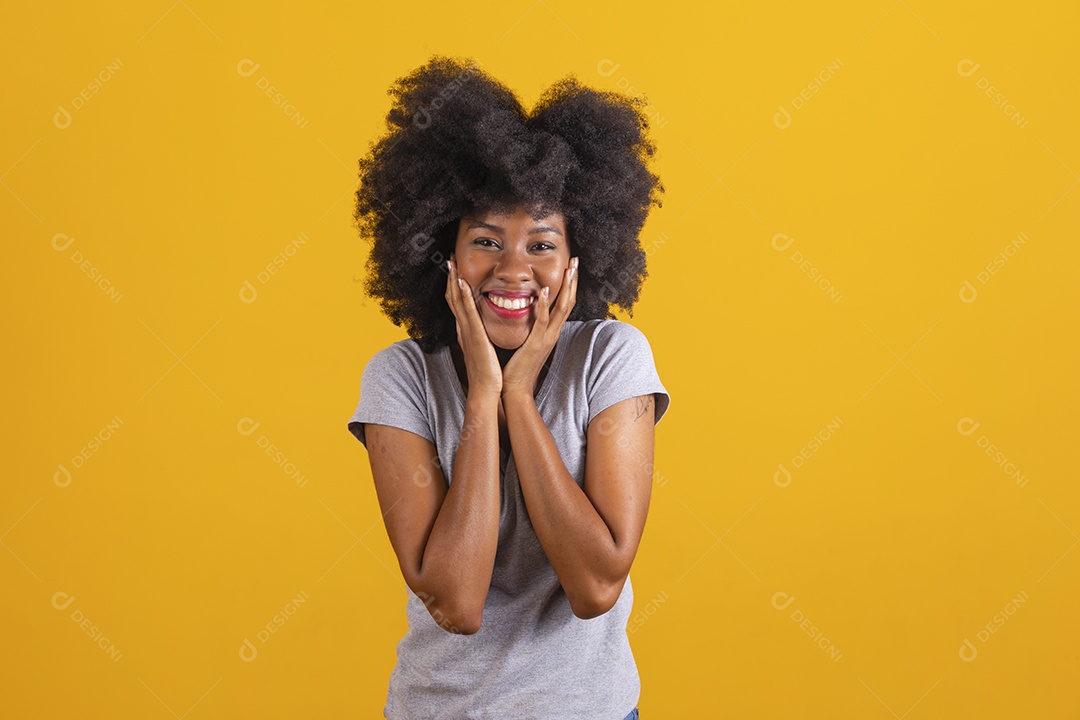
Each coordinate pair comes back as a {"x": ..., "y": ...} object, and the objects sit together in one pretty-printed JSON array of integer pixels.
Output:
[{"x": 522, "y": 370}]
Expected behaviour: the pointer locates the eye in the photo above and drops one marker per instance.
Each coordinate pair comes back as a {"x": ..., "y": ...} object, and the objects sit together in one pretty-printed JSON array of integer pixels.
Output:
[
  {"x": 483, "y": 242},
  {"x": 543, "y": 246}
]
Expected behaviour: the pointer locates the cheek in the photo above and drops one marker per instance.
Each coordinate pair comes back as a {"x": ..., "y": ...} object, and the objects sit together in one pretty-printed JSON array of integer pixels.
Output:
[
  {"x": 469, "y": 269},
  {"x": 554, "y": 279}
]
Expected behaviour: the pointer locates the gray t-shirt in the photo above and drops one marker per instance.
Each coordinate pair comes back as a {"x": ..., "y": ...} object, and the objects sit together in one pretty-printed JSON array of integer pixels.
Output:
[{"x": 532, "y": 658}]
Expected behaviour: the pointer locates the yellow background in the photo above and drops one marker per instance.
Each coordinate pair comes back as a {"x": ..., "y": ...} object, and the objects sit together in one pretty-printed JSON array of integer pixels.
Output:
[{"x": 858, "y": 584}]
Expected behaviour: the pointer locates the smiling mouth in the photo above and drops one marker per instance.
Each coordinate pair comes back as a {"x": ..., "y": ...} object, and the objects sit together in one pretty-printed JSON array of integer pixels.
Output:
[{"x": 511, "y": 304}]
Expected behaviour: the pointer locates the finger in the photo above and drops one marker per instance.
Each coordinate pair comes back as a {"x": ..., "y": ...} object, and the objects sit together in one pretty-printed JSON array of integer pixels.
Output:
[
  {"x": 458, "y": 304},
  {"x": 543, "y": 307},
  {"x": 469, "y": 301},
  {"x": 566, "y": 292},
  {"x": 451, "y": 281},
  {"x": 568, "y": 284},
  {"x": 453, "y": 297},
  {"x": 574, "y": 283},
  {"x": 465, "y": 313}
]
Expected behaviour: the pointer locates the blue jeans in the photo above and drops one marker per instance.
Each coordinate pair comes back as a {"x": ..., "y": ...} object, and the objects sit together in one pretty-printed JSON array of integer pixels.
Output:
[{"x": 632, "y": 716}]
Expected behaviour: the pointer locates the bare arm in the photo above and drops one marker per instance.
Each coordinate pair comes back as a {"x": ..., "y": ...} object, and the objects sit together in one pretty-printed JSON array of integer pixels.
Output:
[
  {"x": 445, "y": 538},
  {"x": 590, "y": 534}
]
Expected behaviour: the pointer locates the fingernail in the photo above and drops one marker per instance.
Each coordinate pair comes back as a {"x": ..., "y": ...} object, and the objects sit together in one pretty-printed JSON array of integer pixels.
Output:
[
  {"x": 461, "y": 283},
  {"x": 574, "y": 263}
]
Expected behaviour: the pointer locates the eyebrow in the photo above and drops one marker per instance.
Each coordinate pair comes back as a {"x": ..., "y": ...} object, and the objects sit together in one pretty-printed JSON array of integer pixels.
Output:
[{"x": 487, "y": 226}]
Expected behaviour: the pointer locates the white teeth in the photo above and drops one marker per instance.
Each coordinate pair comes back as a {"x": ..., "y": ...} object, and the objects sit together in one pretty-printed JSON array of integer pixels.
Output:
[{"x": 511, "y": 303}]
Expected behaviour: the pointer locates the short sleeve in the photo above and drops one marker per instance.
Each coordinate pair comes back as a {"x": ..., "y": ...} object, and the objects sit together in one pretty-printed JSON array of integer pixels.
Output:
[
  {"x": 392, "y": 393},
  {"x": 622, "y": 367}
]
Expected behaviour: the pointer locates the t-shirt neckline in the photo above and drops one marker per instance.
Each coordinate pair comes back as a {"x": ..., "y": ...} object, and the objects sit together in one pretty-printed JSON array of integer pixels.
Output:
[{"x": 556, "y": 361}]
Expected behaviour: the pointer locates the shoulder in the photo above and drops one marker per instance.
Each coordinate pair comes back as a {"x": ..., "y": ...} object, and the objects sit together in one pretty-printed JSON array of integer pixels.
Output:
[
  {"x": 617, "y": 363},
  {"x": 395, "y": 391},
  {"x": 402, "y": 359},
  {"x": 407, "y": 349},
  {"x": 606, "y": 350},
  {"x": 607, "y": 336}
]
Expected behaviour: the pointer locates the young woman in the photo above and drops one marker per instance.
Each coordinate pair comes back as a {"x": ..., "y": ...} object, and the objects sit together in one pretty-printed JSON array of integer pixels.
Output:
[{"x": 511, "y": 435}]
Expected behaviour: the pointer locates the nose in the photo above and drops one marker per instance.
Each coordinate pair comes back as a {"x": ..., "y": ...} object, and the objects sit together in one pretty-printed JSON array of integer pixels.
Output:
[{"x": 513, "y": 266}]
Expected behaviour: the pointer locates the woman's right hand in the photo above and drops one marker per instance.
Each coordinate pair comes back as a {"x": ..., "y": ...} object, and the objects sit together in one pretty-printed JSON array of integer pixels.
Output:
[{"x": 481, "y": 362}]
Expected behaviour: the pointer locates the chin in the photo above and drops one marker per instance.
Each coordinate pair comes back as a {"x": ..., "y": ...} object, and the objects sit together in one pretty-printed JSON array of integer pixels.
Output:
[
  {"x": 505, "y": 341},
  {"x": 505, "y": 345}
]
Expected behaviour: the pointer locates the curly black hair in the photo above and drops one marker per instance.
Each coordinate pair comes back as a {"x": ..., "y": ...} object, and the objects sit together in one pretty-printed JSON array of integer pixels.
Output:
[{"x": 459, "y": 143}]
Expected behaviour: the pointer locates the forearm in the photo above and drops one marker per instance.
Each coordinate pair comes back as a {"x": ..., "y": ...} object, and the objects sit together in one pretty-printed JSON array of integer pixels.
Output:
[
  {"x": 576, "y": 540},
  {"x": 460, "y": 552}
]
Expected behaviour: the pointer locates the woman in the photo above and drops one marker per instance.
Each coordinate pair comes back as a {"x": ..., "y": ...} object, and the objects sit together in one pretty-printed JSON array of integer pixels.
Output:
[{"x": 500, "y": 240}]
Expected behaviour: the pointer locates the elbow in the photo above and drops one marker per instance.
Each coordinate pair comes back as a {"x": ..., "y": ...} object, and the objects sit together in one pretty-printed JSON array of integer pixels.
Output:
[
  {"x": 590, "y": 611},
  {"x": 597, "y": 602},
  {"x": 452, "y": 617},
  {"x": 464, "y": 624}
]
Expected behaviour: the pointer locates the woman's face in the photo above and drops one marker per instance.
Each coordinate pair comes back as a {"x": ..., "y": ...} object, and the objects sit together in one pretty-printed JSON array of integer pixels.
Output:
[{"x": 508, "y": 259}]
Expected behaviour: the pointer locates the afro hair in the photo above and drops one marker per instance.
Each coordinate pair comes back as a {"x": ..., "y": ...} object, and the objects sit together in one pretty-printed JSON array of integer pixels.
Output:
[{"x": 459, "y": 143}]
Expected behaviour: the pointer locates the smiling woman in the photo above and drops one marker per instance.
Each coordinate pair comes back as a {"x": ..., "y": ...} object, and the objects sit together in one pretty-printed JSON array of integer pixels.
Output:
[{"x": 510, "y": 437}]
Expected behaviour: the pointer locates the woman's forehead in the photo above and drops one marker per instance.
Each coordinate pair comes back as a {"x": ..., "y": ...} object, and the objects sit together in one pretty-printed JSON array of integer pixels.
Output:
[{"x": 503, "y": 212}]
